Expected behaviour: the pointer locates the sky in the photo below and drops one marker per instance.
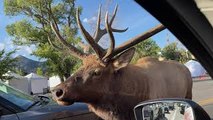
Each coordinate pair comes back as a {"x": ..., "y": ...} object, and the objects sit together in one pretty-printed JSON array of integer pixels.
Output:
[{"x": 129, "y": 14}]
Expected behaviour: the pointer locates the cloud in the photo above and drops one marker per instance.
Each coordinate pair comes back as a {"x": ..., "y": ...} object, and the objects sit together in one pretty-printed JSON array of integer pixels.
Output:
[
  {"x": 15, "y": 55},
  {"x": 85, "y": 20},
  {"x": 90, "y": 20},
  {"x": 26, "y": 50},
  {"x": 2, "y": 46},
  {"x": 8, "y": 44},
  {"x": 21, "y": 50}
]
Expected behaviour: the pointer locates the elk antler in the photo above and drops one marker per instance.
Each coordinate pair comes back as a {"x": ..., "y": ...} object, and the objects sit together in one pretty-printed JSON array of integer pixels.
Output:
[
  {"x": 112, "y": 39},
  {"x": 54, "y": 26},
  {"x": 136, "y": 40},
  {"x": 74, "y": 51},
  {"x": 98, "y": 50},
  {"x": 105, "y": 56},
  {"x": 99, "y": 33}
]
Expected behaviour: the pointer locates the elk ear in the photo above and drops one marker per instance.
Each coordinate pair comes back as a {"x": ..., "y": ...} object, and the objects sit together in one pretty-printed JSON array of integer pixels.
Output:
[{"x": 123, "y": 59}]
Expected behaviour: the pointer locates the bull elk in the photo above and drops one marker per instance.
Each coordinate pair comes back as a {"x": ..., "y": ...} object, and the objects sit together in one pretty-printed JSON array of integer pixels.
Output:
[{"x": 110, "y": 85}]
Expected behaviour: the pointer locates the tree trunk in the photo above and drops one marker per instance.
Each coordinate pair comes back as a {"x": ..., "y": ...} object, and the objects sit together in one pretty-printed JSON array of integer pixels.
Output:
[
  {"x": 67, "y": 75},
  {"x": 61, "y": 78}
]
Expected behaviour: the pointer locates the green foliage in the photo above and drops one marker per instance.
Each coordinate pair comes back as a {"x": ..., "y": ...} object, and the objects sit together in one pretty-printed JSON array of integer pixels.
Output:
[
  {"x": 173, "y": 52},
  {"x": 39, "y": 71},
  {"x": 146, "y": 48},
  {"x": 24, "y": 33},
  {"x": 58, "y": 62},
  {"x": 64, "y": 67},
  {"x": 20, "y": 72},
  {"x": 7, "y": 63},
  {"x": 185, "y": 56},
  {"x": 35, "y": 29}
]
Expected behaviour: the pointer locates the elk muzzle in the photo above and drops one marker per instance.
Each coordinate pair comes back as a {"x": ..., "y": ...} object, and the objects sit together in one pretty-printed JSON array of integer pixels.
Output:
[{"x": 57, "y": 93}]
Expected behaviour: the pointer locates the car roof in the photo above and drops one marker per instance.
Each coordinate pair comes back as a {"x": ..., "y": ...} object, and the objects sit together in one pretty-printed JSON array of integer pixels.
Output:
[{"x": 188, "y": 24}]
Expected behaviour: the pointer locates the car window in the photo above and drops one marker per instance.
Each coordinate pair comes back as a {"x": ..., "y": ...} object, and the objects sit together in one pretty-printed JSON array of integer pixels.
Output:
[{"x": 15, "y": 96}]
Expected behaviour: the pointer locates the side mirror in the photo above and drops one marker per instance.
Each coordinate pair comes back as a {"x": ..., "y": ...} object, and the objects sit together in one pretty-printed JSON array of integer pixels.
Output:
[{"x": 170, "y": 109}]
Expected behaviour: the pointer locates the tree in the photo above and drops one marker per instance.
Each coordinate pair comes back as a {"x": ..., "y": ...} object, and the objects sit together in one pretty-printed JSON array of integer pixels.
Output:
[
  {"x": 7, "y": 63},
  {"x": 42, "y": 21},
  {"x": 146, "y": 48},
  {"x": 39, "y": 71},
  {"x": 185, "y": 55},
  {"x": 20, "y": 72},
  {"x": 57, "y": 63},
  {"x": 171, "y": 52}
]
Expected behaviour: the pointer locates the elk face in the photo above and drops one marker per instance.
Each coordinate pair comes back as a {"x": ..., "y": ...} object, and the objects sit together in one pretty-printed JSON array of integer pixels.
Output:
[
  {"x": 85, "y": 85},
  {"x": 92, "y": 81}
]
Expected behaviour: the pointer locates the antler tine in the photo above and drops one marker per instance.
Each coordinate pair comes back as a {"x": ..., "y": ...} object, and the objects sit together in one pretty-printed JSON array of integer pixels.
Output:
[
  {"x": 114, "y": 14},
  {"x": 101, "y": 32},
  {"x": 136, "y": 40},
  {"x": 74, "y": 51},
  {"x": 98, "y": 50},
  {"x": 97, "y": 32},
  {"x": 112, "y": 39}
]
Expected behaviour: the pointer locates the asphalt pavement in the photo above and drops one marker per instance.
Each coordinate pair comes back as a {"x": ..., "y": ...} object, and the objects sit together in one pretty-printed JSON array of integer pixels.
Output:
[{"x": 203, "y": 94}]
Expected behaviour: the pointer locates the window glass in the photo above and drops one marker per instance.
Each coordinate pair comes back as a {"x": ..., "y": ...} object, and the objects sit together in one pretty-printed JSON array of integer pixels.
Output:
[{"x": 15, "y": 96}]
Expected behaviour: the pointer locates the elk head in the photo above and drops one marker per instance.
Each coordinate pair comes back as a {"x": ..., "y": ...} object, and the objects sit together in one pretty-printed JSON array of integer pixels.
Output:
[{"x": 95, "y": 78}]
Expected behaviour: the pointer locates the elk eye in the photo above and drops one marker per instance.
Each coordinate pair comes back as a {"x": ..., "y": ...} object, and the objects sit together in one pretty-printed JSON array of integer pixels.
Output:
[{"x": 97, "y": 72}]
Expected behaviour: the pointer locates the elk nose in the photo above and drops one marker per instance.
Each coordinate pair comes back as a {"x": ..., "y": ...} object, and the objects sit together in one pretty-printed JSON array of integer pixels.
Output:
[{"x": 58, "y": 93}]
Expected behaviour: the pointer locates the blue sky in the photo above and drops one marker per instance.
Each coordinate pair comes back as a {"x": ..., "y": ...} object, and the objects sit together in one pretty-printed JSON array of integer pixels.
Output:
[{"x": 129, "y": 15}]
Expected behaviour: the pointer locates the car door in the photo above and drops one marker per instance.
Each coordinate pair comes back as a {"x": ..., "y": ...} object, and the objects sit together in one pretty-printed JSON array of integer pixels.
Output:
[{"x": 77, "y": 111}]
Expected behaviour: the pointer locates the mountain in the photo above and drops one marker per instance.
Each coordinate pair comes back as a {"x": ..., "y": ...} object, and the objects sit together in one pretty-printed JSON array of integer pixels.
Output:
[{"x": 28, "y": 65}]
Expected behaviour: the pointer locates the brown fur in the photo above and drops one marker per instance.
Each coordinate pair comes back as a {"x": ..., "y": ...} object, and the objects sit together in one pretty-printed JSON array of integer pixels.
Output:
[{"x": 113, "y": 94}]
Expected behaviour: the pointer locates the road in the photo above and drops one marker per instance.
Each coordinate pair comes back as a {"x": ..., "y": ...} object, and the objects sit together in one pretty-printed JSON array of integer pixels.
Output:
[
  {"x": 202, "y": 90},
  {"x": 203, "y": 95}
]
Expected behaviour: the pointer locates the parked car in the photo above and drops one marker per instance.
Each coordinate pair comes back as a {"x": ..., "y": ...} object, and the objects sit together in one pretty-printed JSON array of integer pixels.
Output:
[
  {"x": 16, "y": 105},
  {"x": 171, "y": 107},
  {"x": 148, "y": 113},
  {"x": 182, "y": 109},
  {"x": 166, "y": 109}
]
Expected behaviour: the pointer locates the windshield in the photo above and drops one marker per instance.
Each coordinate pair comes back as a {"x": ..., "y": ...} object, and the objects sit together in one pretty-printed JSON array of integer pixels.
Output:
[{"x": 15, "y": 96}]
